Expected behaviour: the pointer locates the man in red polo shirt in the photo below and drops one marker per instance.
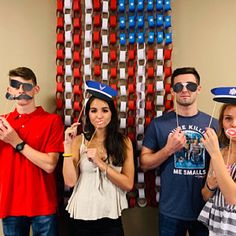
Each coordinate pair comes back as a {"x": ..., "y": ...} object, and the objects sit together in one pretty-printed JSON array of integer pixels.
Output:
[{"x": 30, "y": 142}]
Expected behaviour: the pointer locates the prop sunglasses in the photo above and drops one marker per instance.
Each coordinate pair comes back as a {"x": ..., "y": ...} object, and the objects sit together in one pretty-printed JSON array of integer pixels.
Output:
[
  {"x": 25, "y": 86},
  {"x": 191, "y": 86}
]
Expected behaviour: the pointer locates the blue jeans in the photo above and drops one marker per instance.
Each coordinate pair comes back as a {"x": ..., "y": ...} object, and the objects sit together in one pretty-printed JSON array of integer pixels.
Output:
[
  {"x": 169, "y": 226},
  {"x": 20, "y": 225}
]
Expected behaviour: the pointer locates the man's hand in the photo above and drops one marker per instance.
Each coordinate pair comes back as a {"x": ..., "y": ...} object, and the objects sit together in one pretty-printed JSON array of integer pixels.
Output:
[
  {"x": 8, "y": 134},
  {"x": 176, "y": 141}
]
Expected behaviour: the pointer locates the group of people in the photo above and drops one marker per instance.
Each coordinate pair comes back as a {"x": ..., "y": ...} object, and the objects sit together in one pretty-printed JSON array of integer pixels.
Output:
[{"x": 197, "y": 169}]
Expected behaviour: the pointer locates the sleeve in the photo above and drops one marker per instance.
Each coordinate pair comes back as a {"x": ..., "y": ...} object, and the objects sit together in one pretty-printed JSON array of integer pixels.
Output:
[
  {"x": 150, "y": 137},
  {"x": 56, "y": 136}
]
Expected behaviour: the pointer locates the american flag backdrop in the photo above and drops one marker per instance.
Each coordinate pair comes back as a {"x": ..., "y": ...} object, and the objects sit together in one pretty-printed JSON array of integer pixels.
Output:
[{"x": 126, "y": 44}]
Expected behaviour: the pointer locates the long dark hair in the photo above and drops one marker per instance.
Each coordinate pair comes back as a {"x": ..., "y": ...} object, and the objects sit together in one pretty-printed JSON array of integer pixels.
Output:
[
  {"x": 115, "y": 140},
  {"x": 224, "y": 140}
]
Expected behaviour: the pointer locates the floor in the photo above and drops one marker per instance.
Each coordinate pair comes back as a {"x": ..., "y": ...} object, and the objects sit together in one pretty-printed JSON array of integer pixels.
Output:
[
  {"x": 136, "y": 221},
  {"x": 140, "y": 222},
  {"x": 1, "y": 233}
]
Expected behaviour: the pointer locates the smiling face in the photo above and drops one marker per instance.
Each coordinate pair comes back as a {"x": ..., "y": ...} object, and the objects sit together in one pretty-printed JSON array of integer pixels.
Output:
[
  {"x": 99, "y": 113},
  {"x": 185, "y": 97}
]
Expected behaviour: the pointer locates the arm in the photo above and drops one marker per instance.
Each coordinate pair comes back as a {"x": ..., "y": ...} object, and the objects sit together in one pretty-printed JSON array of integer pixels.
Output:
[
  {"x": 72, "y": 145},
  {"x": 45, "y": 161},
  {"x": 150, "y": 160},
  {"x": 210, "y": 185},
  {"x": 123, "y": 180},
  {"x": 224, "y": 180}
]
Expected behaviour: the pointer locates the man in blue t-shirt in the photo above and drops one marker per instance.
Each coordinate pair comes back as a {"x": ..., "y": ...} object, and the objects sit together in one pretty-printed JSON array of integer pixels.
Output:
[{"x": 172, "y": 142}]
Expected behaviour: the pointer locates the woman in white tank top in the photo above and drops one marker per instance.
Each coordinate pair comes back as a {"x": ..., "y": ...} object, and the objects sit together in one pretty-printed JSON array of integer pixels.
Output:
[{"x": 99, "y": 165}]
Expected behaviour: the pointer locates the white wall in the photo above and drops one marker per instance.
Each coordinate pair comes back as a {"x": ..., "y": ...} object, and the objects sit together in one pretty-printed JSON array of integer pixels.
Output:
[
  {"x": 28, "y": 38},
  {"x": 204, "y": 36}
]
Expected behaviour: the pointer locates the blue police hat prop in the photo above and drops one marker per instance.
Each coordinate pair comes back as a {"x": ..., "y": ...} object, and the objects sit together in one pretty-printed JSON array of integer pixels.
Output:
[
  {"x": 99, "y": 90},
  {"x": 224, "y": 94}
]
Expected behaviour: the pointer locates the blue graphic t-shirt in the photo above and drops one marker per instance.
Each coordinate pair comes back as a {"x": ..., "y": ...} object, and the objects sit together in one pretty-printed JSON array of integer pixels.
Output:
[{"x": 182, "y": 174}]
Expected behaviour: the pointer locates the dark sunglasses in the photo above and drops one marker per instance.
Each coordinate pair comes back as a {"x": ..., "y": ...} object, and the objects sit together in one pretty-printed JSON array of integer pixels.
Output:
[
  {"x": 178, "y": 87},
  {"x": 25, "y": 86}
]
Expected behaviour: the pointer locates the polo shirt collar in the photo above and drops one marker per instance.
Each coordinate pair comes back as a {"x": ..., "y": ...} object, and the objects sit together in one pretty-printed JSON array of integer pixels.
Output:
[{"x": 15, "y": 114}]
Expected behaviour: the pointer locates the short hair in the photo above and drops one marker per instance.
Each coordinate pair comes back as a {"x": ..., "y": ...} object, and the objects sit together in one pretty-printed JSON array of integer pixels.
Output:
[
  {"x": 23, "y": 72},
  {"x": 183, "y": 71}
]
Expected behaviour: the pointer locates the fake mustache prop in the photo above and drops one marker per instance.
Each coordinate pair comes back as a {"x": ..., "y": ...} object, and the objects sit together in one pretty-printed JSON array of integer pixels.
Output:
[{"x": 20, "y": 97}]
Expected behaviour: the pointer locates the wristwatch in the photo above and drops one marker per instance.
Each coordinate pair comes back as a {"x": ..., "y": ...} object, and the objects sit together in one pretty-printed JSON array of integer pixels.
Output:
[{"x": 20, "y": 146}]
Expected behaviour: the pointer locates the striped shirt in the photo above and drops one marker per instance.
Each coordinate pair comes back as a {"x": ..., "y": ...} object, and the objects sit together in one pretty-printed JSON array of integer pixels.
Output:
[{"x": 218, "y": 215}]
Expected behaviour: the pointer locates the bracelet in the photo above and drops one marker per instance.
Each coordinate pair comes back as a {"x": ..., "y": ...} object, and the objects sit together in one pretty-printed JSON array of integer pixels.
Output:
[
  {"x": 67, "y": 154},
  {"x": 210, "y": 189}
]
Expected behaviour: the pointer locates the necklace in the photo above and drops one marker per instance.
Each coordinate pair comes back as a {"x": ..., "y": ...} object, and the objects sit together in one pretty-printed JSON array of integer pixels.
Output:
[{"x": 100, "y": 150}]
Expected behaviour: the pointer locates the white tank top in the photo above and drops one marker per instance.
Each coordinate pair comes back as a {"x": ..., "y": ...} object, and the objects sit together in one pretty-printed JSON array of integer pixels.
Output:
[{"x": 94, "y": 195}]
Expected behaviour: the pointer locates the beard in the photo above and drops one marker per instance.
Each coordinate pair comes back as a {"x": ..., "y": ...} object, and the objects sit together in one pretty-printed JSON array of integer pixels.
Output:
[{"x": 185, "y": 102}]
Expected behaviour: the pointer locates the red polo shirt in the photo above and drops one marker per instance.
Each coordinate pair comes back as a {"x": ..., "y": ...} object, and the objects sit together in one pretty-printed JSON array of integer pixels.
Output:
[{"x": 26, "y": 189}]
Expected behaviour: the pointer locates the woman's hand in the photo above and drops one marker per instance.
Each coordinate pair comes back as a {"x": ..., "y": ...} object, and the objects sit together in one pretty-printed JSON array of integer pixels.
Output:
[
  {"x": 92, "y": 154},
  {"x": 210, "y": 141},
  {"x": 176, "y": 141},
  {"x": 71, "y": 132},
  {"x": 94, "y": 157}
]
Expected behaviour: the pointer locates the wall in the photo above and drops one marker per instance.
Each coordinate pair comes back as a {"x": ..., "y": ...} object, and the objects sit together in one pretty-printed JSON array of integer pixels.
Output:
[
  {"x": 28, "y": 38},
  {"x": 204, "y": 36}
]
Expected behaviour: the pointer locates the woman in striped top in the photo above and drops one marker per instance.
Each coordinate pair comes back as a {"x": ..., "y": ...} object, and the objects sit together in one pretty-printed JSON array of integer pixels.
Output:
[{"x": 219, "y": 213}]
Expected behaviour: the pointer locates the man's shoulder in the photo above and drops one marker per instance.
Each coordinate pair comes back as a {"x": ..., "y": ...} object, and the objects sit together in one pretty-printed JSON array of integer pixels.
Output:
[
  {"x": 42, "y": 111},
  {"x": 47, "y": 115},
  {"x": 54, "y": 117},
  {"x": 162, "y": 121},
  {"x": 204, "y": 114},
  {"x": 213, "y": 122},
  {"x": 165, "y": 116}
]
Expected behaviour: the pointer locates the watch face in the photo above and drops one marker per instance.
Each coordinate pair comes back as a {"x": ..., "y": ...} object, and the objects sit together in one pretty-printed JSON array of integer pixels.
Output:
[{"x": 20, "y": 146}]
